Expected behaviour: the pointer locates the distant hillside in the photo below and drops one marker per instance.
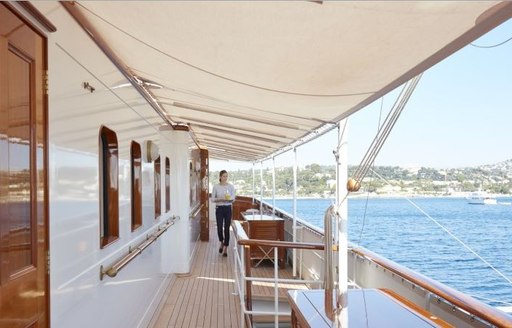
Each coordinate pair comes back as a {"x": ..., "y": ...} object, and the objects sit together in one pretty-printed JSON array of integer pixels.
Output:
[
  {"x": 319, "y": 181},
  {"x": 505, "y": 166}
]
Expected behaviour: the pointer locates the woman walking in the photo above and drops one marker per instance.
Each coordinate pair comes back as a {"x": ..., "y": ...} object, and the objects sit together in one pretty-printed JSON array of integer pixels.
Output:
[{"x": 223, "y": 195}]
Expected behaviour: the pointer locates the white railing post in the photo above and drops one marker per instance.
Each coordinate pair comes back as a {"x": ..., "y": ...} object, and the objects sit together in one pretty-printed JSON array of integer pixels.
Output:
[
  {"x": 273, "y": 185},
  {"x": 294, "y": 226},
  {"x": 337, "y": 155},
  {"x": 301, "y": 252},
  {"x": 242, "y": 285},
  {"x": 253, "y": 182},
  {"x": 276, "y": 289},
  {"x": 237, "y": 273},
  {"x": 261, "y": 187},
  {"x": 342, "y": 213}
]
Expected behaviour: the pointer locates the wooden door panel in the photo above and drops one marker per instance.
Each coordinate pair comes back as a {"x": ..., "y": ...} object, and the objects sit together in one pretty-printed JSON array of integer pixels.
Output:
[
  {"x": 19, "y": 226},
  {"x": 23, "y": 190}
]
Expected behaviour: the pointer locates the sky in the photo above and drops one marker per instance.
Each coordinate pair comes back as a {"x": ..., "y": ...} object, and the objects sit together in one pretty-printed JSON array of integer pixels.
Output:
[{"x": 460, "y": 115}]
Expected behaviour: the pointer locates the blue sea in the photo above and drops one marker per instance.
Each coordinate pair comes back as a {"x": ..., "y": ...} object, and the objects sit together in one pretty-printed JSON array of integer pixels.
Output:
[{"x": 399, "y": 231}]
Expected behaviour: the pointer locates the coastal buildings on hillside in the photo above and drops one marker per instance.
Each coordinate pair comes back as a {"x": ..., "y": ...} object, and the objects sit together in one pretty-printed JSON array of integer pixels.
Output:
[{"x": 319, "y": 181}]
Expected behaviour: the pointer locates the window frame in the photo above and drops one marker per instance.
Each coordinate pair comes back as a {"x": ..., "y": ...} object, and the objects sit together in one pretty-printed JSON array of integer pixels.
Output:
[
  {"x": 109, "y": 186},
  {"x": 167, "y": 184},
  {"x": 157, "y": 188},
  {"x": 136, "y": 185}
]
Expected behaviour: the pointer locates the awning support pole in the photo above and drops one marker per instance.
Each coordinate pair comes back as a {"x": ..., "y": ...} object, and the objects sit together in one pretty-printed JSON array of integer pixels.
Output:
[
  {"x": 261, "y": 187},
  {"x": 342, "y": 209},
  {"x": 273, "y": 185},
  {"x": 253, "y": 182},
  {"x": 294, "y": 229}
]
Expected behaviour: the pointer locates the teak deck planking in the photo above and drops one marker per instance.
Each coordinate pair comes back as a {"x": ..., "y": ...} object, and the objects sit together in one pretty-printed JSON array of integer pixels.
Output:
[{"x": 206, "y": 298}]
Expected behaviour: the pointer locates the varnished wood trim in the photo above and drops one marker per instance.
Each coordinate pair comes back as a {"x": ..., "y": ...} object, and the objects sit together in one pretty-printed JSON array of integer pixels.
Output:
[
  {"x": 136, "y": 188},
  {"x": 281, "y": 244},
  {"x": 204, "y": 195},
  {"x": 412, "y": 306},
  {"x": 41, "y": 155},
  {"x": 23, "y": 16},
  {"x": 242, "y": 239},
  {"x": 462, "y": 301},
  {"x": 38, "y": 16},
  {"x": 157, "y": 188},
  {"x": 181, "y": 127},
  {"x": 109, "y": 185},
  {"x": 167, "y": 184}
]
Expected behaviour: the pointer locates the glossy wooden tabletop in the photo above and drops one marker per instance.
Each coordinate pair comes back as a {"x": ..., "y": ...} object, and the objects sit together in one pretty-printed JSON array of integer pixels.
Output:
[{"x": 366, "y": 308}]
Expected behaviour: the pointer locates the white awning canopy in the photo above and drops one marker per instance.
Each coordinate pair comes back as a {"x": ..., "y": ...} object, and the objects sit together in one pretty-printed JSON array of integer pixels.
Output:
[{"x": 250, "y": 78}]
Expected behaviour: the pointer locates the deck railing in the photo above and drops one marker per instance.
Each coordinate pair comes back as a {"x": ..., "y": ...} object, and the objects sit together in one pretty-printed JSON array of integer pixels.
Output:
[
  {"x": 244, "y": 279},
  {"x": 433, "y": 293},
  {"x": 451, "y": 302}
]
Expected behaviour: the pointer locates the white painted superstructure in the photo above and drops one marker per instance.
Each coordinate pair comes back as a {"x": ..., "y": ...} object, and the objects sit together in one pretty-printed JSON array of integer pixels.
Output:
[{"x": 243, "y": 80}]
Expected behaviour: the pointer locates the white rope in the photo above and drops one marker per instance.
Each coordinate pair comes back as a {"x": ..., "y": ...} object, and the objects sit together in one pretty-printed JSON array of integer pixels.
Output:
[
  {"x": 371, "y": 180},
  {"x": 385, "y": 129},
  {"x": 450, "y": 233}
]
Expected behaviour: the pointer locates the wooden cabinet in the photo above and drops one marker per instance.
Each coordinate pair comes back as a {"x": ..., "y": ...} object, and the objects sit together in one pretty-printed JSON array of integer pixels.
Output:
[
  {"x": 242, "y": 204},
  {"x": 265, "y": 227}
]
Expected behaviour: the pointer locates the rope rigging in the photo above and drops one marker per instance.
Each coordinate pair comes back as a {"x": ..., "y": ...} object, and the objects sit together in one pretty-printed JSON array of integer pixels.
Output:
[
  {"x": 368, "y": 194},
  {"x": 354, "y": 183}
]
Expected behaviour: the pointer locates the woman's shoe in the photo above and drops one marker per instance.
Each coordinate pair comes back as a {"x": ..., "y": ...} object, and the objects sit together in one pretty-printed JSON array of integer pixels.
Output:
[
  {"x": 225, "y": 251},
  {"x": 221, "y": 248}
]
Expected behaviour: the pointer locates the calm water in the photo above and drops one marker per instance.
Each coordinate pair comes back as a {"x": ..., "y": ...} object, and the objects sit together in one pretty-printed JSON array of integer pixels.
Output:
[{"x": 397, "y": 230}]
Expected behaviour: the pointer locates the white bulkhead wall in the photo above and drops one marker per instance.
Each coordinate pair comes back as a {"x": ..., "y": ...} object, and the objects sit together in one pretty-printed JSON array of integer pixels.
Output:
[
  {"x": 176, "y": 246},
  {"x": 78, "y": 297}
]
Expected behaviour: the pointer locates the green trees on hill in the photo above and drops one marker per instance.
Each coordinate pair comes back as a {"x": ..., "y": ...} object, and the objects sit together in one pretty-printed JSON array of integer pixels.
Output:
[{"x": 320, "y": 181}]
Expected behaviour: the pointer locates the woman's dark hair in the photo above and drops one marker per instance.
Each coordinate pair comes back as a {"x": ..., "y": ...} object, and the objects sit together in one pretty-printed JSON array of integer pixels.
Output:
[{"x": 221, "y": 173}]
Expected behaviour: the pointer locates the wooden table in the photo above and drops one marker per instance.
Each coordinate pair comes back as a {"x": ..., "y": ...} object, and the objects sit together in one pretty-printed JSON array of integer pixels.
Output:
[
  {"x": 267, "y": 227},
  {"x": 369, "y": 308}
]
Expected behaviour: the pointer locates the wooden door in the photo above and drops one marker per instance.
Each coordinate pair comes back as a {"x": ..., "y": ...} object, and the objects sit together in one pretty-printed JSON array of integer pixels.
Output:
[{"x": 23, "y": 175}]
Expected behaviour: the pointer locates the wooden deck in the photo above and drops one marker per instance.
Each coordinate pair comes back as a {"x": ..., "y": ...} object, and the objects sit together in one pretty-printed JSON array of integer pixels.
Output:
[{"x": 206, "y": 297}]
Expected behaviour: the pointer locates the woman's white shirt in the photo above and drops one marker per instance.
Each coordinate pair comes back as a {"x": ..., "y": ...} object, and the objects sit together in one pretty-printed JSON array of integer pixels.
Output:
[{"x": 220, "y": 191}]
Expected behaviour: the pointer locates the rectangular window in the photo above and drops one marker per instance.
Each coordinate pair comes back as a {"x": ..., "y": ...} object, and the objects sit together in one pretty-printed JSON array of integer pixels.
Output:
[
  {"x": 158, "y": 189},
  {"x": 109, "y": 187},
  {"x": 136, "y": 176},
  {"x": 167, "y": 184}
]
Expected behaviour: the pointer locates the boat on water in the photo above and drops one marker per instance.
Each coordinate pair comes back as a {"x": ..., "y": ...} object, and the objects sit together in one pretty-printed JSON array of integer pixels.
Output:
[
  {"x": 110, "y": 113},
  {"x": 479, "y": 198}
]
